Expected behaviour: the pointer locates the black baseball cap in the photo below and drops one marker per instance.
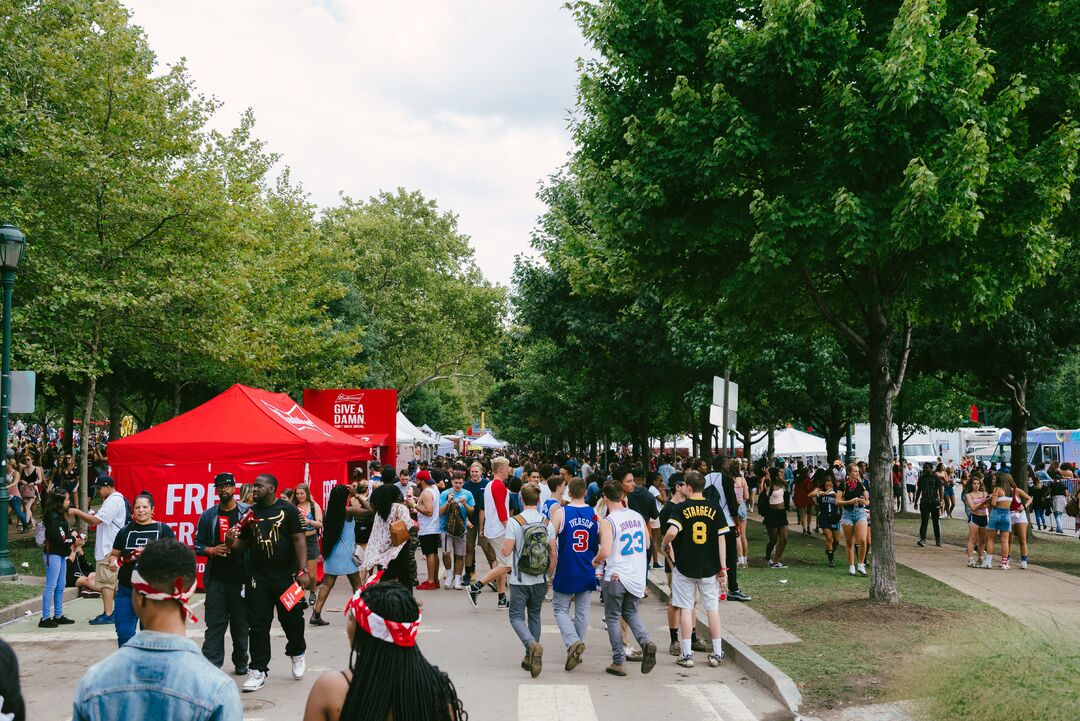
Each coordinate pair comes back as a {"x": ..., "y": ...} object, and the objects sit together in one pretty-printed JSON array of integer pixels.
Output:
[
  {"x": 105, "y": 481},
  {"x": 224, "y": 479}
]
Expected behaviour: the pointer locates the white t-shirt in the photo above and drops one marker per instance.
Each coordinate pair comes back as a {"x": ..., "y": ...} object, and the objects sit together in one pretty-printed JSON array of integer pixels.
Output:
[
  {"x": 113, "y": 515},
  {"x": 545, "y": 493},
  {"x": 429, "y": 524},
  {"x": 627, "y": 558},
  {"x": 493, "y": 527},
  {"x": 656, "y": 494}
]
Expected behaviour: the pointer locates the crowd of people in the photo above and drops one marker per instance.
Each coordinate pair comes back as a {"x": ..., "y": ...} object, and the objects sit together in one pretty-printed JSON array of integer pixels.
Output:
[{"x": 552, "y": 529}]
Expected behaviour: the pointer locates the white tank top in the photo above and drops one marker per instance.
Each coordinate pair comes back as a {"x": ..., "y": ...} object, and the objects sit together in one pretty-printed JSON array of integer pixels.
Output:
[
  {"x": 627, "y": 559},
  {"x": 429, "y": 524}
]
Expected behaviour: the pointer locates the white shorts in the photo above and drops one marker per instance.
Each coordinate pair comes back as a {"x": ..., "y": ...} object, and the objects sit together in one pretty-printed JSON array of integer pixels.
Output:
[
  {"x": 501, "y": 559},
  {"x": 683, "y": 587},
  {"x": 1018, "y": 517}
]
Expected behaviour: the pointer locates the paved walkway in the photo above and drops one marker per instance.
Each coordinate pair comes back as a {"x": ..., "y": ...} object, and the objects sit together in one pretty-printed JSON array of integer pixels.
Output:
[
  {"x": 740, "y": 620},
  {"x": 1038, "y": 597}
]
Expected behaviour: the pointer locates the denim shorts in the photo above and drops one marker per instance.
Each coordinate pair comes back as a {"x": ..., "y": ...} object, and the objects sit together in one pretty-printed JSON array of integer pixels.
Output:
[
  {"x": 851, "y": 516},
  {"x": 999, "y": 520}
]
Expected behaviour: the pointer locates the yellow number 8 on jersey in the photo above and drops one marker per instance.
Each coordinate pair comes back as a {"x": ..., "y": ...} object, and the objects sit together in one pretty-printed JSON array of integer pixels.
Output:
[{"x": 699, "y": 533}]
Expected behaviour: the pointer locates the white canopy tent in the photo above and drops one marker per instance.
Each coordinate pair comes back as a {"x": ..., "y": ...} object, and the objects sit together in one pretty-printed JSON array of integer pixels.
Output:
[
  {"x": 444, "y": 446},
  {"x": 412, "y": 443},
  {"x": 487, "y": 441},
  {"x": 790, "y": 442},
  {"x": 682, "y": 443}
]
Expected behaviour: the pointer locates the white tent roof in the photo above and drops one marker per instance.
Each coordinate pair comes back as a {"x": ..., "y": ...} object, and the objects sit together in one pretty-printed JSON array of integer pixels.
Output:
[
  {"x": 428, "y": 429},
  {"x": 681, "y": 443},
  {"x": 487, "y": 441},
  {"x": 408, "y": 433},
  {"x": 791, "y": 442}
]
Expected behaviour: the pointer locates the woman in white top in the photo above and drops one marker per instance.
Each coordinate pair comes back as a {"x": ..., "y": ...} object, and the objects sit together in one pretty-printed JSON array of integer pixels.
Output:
[{"x": 381, "y": 553}]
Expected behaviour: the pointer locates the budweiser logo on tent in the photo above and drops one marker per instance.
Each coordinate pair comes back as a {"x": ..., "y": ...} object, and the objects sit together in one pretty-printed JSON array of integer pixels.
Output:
[
  {"x": 349, "y": 398},
  {"x": 296, "y": 418}
]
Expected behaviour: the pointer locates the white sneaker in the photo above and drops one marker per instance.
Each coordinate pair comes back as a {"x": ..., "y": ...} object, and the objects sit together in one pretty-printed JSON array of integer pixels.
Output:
[
  {"x": 457, "y": 583},
  {"x": 447, "y": 583},
  {"x": 862, "y": 569},
  {"x": 851, "y": 570},
  {"x": 255, "y": 680},
  {"x": 988, "y": 562},
  {"x": 1023, "y": 564},
  {"x": 299, "y": 665}
]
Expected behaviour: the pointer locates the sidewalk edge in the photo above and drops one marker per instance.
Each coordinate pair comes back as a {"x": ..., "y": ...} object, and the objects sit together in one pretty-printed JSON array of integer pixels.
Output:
[
  {"x": 33, "y": 605},
  {"x": 778, "y": 683}
]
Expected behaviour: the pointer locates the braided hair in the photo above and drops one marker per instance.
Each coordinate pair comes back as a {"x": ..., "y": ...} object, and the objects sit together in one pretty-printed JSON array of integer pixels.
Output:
[
  {"x": 390, "y": 680},
  {"x": 334, "y": 518}
]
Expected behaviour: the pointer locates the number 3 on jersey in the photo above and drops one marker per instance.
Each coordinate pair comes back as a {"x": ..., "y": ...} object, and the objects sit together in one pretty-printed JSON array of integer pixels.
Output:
[
  {"x": 699, "y": 533},
  {"x": 633, "y": 543},
  {"x": 581, "y": 541}
]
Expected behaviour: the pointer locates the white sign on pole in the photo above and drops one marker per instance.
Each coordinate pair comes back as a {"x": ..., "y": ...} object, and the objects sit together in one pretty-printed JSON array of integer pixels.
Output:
[
  {"x": 716, "y": 417},
  {"x": 22, "y": 391},
  {"x": 718, "y": 394}
]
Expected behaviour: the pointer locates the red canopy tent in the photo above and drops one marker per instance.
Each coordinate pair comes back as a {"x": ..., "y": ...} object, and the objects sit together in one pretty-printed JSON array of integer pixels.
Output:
[{"x": 244, "y": 430}]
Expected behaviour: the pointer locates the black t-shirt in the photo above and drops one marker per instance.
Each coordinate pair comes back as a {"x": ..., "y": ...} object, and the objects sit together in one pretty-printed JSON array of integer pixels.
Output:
[
  {"x": 477, "y": 491},
  {"x": 76, "y": 569},
  {"x": 665, "y": 516},
  {"x": 133, "y": 537},
  {"x": 230, "y": 568},
  {"x": 929, "y": 487},
  {"x": 697, "y": 547},
  {"x": 272, "y": 551},
  {"x": 643, "y": 502}
]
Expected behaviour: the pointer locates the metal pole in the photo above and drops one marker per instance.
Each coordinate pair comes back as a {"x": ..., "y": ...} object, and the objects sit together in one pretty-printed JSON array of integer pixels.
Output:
[
  {"x": 727, "y": 379},
  {"x": 7, "y": 568},
  {"x": 850, "y": 454}
]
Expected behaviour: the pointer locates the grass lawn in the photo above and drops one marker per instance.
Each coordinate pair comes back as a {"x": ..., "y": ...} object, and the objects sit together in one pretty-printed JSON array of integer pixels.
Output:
[
  {"x": 12, "y": 593},
  {"x": 1060, "y": 554},
  {"x": 854, "y": 652}
]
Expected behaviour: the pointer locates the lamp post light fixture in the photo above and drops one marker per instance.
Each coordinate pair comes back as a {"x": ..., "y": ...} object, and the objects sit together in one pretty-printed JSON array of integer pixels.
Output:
[{"x": 12, "y": 242}]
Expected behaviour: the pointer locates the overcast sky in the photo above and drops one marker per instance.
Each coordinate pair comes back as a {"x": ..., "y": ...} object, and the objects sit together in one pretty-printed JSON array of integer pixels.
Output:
[{"x": 464, "y": 100}]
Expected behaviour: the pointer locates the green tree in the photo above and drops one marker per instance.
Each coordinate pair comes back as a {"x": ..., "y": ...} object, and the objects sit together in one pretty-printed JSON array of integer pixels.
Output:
[{"x": 839, "y": 150}]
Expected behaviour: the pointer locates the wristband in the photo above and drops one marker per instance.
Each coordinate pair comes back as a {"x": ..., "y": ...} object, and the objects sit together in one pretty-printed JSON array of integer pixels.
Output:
[{"x": 723, "y": 569}]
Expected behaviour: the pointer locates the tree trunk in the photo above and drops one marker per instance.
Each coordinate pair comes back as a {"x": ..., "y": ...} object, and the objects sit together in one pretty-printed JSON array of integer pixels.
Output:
[
  {"x": 1018, "y": 424},
  {"x": 832, "y": 444},
  {"x": 69, "y": 416},
  {"x": 706, "y": 433},
  {"x": 747, "y": 433},
  {"x": 84, "y": 448},
  {"x": 883, "y": 588},
  {"x": 116, "y": 412}
]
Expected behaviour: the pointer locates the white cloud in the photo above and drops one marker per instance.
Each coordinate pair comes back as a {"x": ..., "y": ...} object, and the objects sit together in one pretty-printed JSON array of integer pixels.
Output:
[{"x": 465, "y": 100}]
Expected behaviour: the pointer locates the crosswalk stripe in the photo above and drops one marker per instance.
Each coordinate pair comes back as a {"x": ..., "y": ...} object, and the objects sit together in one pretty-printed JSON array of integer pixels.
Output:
[
  {"x": 715, "y": 702},
  {"x": 555, "y": 702},
  {"x": 729, "y": 704}
]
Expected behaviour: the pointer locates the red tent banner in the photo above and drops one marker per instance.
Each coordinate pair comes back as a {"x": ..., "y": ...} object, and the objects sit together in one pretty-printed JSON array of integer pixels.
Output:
[
  {"x": 245, "y": 431},
  {"x": 369, "y": 414}
]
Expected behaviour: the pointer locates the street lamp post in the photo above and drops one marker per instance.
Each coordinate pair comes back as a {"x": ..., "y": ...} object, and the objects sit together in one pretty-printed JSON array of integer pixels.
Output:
[{"x": 12, "y": 242}]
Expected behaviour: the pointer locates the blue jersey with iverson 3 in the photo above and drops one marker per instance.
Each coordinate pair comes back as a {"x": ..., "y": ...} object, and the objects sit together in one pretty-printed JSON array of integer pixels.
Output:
[{"x": 579, "y": 539}]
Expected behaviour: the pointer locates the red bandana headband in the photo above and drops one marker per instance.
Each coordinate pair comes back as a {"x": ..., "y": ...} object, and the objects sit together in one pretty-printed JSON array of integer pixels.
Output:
[
  {"x": 138, "y": 583},
  {"x": 399, "y": 633}
]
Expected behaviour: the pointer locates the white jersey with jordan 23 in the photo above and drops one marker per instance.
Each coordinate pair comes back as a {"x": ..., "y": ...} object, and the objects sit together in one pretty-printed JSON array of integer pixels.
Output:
[{"x": 627, "y": 559}]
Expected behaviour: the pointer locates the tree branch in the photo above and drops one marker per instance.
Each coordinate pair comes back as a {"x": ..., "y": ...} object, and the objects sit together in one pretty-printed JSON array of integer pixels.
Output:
[
  {"x": 139, "y": 241},
  {"x": 905, "y": 354},
  {"x": 831, "y": 315}
]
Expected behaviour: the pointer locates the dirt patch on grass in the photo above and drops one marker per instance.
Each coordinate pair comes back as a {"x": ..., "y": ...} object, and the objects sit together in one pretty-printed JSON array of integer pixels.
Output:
[{"x": 861, "y": 610}]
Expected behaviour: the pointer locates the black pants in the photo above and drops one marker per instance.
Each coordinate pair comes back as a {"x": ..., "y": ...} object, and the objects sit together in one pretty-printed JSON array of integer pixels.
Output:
[
  {"x": 730, "y": 542},
  {"x": 929, "y": 513},
  {"x": 225, "y": 608},
  {"x": 262, "y": 598}
]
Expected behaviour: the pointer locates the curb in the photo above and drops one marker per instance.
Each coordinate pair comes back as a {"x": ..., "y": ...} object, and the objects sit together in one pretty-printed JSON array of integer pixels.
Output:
[
  {"x": 33, "y": 605},
  {"x": 778, "y": 683}
]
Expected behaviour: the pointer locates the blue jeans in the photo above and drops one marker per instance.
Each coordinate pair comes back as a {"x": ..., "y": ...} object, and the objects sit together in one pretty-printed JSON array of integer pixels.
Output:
[
  {"x": 17, "y": 506},
  {"x": 1040, "y": 519},
  {"x": 1057, "y": 521},
  {"x": 571, "y": 631},
  {"x": 52, "y": 598},
  {"x": 124, "y": 615}
]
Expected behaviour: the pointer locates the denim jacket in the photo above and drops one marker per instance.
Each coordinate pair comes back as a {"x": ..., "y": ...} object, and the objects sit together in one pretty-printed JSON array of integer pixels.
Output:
[{"x": 157, "y": 676}]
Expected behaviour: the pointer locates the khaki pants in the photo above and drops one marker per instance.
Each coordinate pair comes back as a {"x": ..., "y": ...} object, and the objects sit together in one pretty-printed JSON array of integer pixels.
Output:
[{"x": 474, "y": 537}]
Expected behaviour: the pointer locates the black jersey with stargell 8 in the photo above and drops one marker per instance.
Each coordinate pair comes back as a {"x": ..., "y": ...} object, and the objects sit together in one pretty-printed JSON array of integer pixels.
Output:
[{"x": 697, "y": 545}]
